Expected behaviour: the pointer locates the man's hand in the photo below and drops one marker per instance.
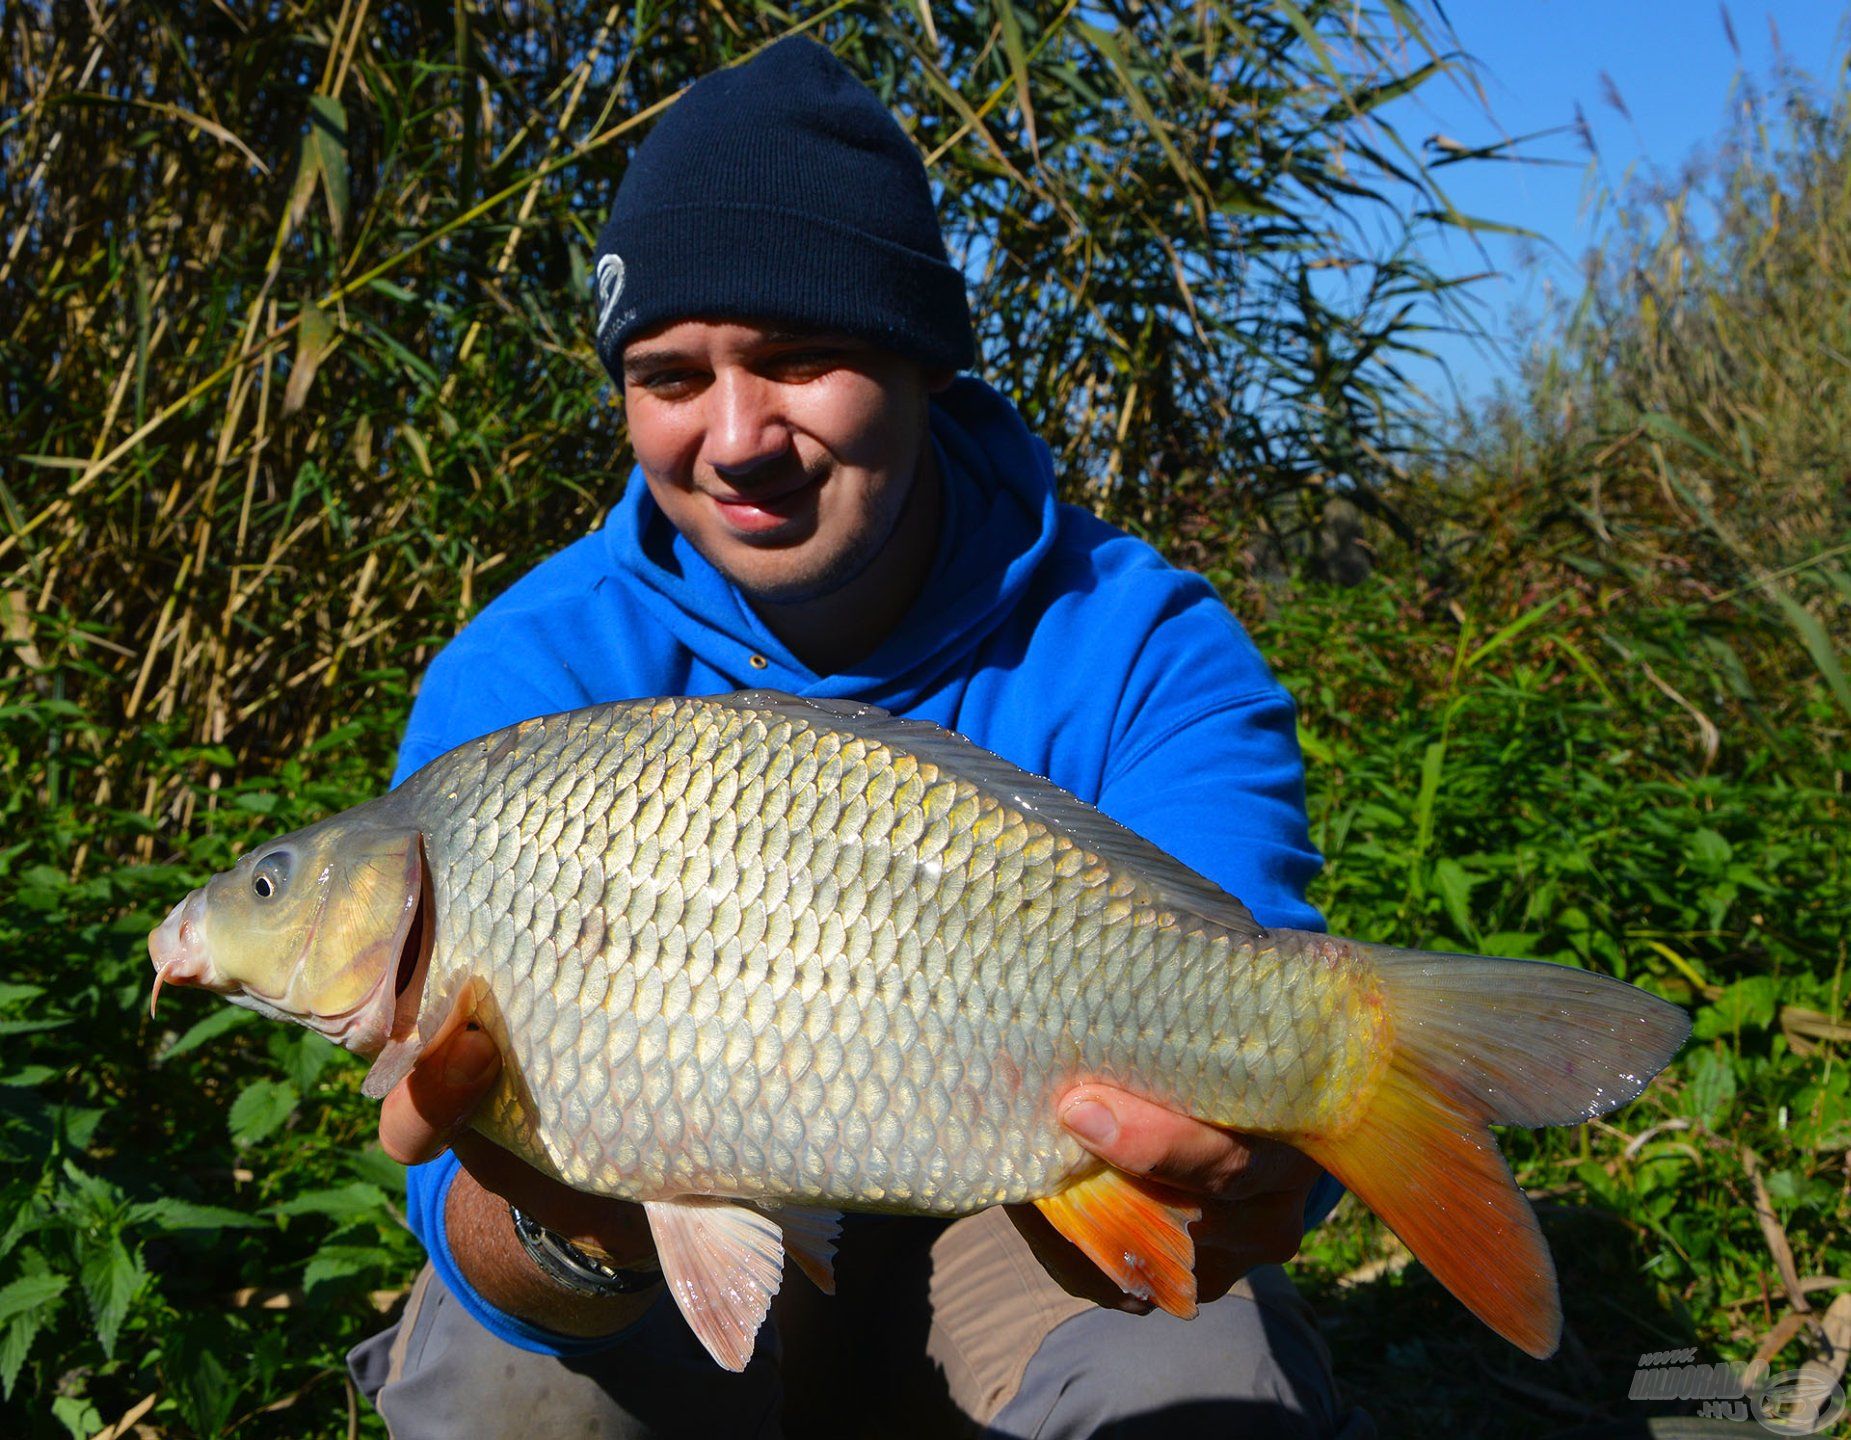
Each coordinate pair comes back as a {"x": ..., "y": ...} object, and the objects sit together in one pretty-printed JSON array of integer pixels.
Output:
[
  {"x": 1252, "y": 1191},
  {"x": 426, "y": 1113}
]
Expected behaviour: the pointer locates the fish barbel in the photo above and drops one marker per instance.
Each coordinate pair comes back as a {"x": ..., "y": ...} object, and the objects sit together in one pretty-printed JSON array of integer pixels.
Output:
[{"x": 753, "y": 960}]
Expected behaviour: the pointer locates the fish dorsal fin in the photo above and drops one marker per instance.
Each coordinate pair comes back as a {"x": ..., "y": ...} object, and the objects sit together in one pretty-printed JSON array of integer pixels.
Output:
[
  {"x": 723, "y": 1262},
  {"x": 1172, "y": 884}
]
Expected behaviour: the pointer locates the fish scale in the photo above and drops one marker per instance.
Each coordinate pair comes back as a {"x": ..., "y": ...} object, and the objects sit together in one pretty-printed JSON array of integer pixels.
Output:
[
  {"x": 1028, "y": 946},
  {"x": 752, "y": 960}
]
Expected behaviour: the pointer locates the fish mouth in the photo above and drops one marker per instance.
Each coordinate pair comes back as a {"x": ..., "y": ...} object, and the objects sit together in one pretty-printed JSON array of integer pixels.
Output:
[{"x": 179, "y": 957}]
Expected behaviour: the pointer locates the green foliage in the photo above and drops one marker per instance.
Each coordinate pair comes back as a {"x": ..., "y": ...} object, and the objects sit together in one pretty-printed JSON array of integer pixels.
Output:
[
  {"x": 163, "y": 1180},
  {"x": 1507, "y": 798}
]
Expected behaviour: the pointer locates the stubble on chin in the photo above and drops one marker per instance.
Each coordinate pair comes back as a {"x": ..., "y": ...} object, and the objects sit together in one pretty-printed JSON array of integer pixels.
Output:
[{"x": 797, "y": 579}]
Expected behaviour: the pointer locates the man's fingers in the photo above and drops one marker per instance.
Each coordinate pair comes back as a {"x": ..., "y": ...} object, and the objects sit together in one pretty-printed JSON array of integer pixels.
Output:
[
  {"x": 1253, "y": 1189},
  {"x": 421, "y": 1113},
  {"x": 1146, "y": 1139}
]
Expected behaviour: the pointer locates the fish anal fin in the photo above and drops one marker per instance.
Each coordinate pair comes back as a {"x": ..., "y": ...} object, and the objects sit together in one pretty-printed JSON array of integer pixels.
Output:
[
  {"x": 400, "y": 1054},
  {"x": 1136, "y": 1231},
  {"x": 1433, "y": 1174},
  {"x": 723, "y": 1262},
  {"x": 810, "y": 1238}
]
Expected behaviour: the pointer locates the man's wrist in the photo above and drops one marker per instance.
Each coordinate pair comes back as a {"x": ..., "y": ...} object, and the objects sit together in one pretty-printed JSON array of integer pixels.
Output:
[
  {"x": 574, "y": 1269},
  {"x": 505, "y": 1282}
]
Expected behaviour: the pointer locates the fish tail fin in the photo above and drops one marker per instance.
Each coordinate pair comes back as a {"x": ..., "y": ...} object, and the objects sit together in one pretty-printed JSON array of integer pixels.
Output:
[{"x": 1476, "y": 1042}]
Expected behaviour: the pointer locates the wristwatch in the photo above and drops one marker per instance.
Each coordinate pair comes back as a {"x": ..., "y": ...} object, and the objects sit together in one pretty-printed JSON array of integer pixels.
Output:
[{"x": 564, "y": 1263}]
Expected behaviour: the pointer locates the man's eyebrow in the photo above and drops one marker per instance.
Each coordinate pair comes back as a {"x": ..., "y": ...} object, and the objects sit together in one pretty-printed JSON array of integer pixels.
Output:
[{"x": 636, "y": 361}]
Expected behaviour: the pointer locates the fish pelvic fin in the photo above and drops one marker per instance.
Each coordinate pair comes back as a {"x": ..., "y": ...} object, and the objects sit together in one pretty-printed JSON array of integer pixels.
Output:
[
  {"x": 1480, "y": 1041},
  {"x": 723, "y": 1261},
  {"x": 1136, "y": 1231},
  {"x": 810, "y": 1238}
]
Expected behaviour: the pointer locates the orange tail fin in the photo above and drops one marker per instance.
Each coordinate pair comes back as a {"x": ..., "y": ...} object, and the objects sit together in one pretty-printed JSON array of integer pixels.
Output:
[{"x": 1479, "y": 1041}]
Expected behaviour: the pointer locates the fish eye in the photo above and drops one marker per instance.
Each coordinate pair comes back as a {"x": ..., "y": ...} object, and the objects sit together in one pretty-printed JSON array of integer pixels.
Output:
[{"x": 272, "y": 873}]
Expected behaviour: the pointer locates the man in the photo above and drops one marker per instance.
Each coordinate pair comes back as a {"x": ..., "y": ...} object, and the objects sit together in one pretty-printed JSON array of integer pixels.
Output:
[{"x": 822, "y": 506}]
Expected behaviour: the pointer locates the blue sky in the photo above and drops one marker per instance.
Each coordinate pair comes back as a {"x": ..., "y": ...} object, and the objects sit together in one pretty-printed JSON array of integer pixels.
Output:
[{"x": 1671, "y": 63}]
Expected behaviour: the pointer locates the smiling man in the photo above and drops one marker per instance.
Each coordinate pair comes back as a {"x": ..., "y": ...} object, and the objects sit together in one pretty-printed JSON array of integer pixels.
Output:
[{"x": 822, "y": 504}]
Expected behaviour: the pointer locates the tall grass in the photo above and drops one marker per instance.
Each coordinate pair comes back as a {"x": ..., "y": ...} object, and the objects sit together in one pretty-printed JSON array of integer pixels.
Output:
[{"x": 295, "y": 362}]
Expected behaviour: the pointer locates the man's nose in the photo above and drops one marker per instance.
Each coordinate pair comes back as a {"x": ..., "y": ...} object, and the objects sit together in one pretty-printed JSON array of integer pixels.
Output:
[{"x": 746, "y": 427}]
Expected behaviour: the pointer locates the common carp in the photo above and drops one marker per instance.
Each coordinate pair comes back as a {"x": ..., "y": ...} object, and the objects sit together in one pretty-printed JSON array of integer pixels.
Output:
[{"x": 752, "y": 960}]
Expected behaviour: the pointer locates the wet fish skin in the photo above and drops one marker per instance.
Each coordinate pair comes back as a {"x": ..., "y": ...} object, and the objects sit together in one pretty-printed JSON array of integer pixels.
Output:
[
  {"x": 803, "y": 957},
  {"x": 731, "y": 951}
]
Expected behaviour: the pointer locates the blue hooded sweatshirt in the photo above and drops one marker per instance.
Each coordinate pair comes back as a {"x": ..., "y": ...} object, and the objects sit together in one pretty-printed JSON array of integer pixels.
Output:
[{"x": 1042, "y": 633}]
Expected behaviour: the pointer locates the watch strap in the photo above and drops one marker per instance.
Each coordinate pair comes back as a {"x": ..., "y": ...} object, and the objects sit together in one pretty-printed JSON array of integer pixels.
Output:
[{"x": 570, "y": 1267}]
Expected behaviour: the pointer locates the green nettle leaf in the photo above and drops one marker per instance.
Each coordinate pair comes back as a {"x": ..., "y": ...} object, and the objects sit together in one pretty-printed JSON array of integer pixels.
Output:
[
  {"x": 15, "y": 1344},
  {"x": 111, "y": 1277},
  {"x": 1709, "y": 849},
  {"x": 1709, "y": 1084},
  {"x": 342, "y": 1202},
  {"x": 206, "y": 1390},
  {"x": 186, "y": 1215},
  {"x": 1454, "y": 883},
  {"x": 1746, "y": 1005},
  {"x": 26, "y": 1307},
  {"x": 260, "y": 1109},
  {"x": 30, "y": 1293},
  {"x": 78, "y": 1124},
  {"x": 304, "y": 1055},
  {"x": 341, "y": 1262},
  {"x": 215, "y": 1024}
]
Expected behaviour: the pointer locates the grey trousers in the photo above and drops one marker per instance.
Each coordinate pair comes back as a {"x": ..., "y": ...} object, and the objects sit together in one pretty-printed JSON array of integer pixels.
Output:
[{"x": 935, "y": 1331}]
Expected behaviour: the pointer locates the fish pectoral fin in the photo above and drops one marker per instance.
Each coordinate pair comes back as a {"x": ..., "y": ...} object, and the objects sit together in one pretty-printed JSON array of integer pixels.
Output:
[
  {"x": 810, "y": 1239},
  {"x": 723, "y": 1262},
  {"x": 1136, "y": 1231},
  {"x": 399, "y": 1055}
]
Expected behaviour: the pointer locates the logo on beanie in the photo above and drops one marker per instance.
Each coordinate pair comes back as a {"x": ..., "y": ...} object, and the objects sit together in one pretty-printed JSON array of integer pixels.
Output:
[{"x": 610, "y": 288}]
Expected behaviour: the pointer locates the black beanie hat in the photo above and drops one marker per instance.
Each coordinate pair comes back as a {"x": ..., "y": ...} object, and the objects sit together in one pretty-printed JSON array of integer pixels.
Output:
[{"x": 781, "y": 190}]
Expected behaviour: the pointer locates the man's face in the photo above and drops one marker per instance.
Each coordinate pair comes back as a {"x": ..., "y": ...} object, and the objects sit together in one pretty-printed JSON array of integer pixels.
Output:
[{"x": 785, "y": 457}]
